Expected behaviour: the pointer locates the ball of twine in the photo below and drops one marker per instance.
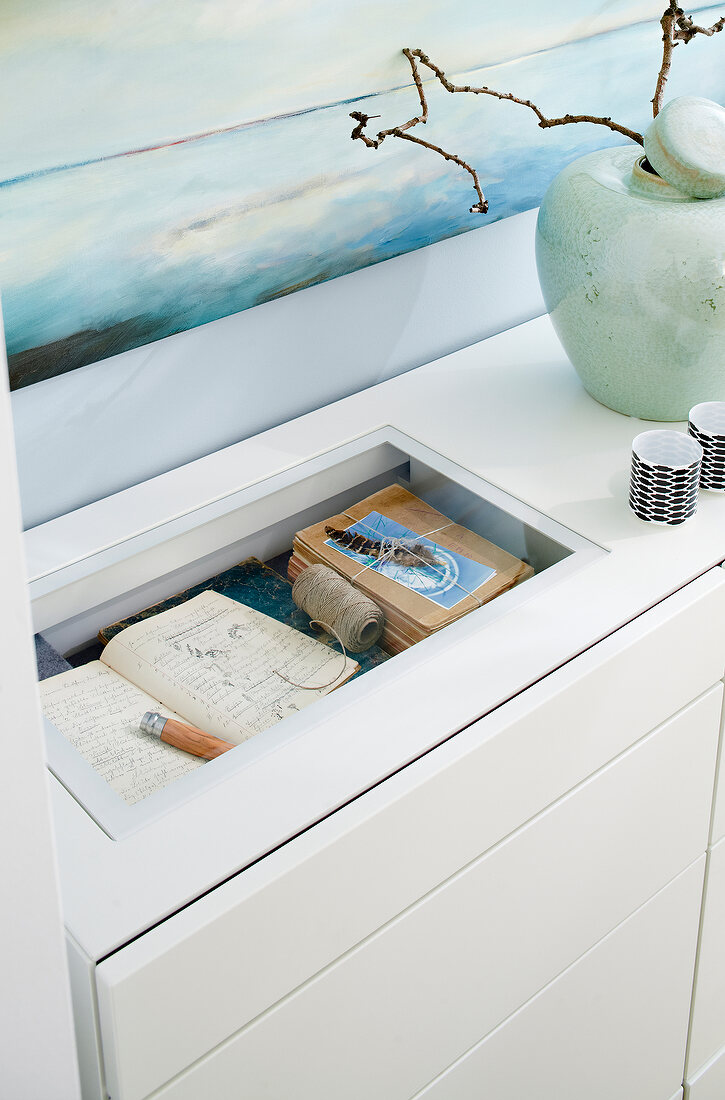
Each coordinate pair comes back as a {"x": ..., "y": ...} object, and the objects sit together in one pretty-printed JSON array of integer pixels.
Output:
[{"x": 329, "y": 598}]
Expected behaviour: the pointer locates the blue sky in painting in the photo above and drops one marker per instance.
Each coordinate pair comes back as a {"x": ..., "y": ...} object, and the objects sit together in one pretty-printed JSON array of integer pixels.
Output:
[
  {"x": 83, "y": 78},
  {"x": 149, "y": 244}
]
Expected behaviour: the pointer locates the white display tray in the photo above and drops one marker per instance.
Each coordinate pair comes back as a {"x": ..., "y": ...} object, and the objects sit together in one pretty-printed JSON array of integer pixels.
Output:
[{"x": 73, "y": 600}]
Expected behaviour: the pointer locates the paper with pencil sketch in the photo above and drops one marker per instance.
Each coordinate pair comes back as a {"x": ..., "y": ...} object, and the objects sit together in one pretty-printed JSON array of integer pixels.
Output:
[{"x": 446, "y": 579}]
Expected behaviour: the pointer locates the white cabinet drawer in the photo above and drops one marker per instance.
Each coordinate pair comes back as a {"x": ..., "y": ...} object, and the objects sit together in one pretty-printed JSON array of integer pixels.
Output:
[
  {"x": 613, "y": 1025},
  {"x": 708, "y": 1019},
  {"x": 718, "y": 817},
  {"x": 435, "y": 978},
  {"x": 296, "y": 911},
  {"x": 709, "y": 1082}
]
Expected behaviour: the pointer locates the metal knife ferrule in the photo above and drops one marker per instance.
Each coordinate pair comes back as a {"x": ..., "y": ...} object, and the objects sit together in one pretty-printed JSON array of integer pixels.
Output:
[{"x": 152, "y": 723}]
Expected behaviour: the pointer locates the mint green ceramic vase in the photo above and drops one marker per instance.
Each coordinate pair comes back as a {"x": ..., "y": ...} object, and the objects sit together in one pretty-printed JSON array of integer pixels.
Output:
[{"x": 633, "y": 275}]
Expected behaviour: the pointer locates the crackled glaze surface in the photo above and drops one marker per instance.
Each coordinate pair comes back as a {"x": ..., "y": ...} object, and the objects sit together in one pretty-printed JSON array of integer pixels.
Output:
[
  {"x": 685, "y": 143},
  {"x": 633, "y": 275}
]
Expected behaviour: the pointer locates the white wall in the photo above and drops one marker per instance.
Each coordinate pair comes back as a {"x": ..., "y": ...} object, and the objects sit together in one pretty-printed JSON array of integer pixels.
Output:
[
  {"x": 37, "y": 1047},
  {"x": 112, "y": 424}
]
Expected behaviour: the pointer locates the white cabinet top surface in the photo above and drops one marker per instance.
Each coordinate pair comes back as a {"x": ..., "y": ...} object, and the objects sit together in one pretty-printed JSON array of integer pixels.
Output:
[{"x": 511, "y": 410}]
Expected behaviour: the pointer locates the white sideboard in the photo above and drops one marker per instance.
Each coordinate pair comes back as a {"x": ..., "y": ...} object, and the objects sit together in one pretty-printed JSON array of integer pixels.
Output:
[
  {"x": 706, "y": 1055},
  {"x": 478, "y": 870}
]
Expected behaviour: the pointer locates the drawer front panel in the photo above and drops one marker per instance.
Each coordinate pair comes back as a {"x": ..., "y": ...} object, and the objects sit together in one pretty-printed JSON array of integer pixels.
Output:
[
  {"x": 709, "y": 1082},
  {"x": 718, "y": 817},
  {"x": 313, "y": 899},
  {"x": 450, "y": 968},
  {"x": 708, "y": 1020},
  {"x": 615, "y": 1024},
  {"x": 718, "y": 820}
]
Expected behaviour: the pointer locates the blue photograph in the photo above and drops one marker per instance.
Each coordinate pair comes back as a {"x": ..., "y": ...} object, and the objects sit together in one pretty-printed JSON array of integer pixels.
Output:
[{"x": 437, "y": 573}]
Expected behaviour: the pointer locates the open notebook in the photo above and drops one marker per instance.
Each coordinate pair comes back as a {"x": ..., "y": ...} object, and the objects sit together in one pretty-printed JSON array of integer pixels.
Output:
[{"x": 211, "y": 662}]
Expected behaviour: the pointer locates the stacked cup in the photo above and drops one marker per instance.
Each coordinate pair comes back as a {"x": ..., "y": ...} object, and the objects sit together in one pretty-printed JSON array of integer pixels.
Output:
[
  {"x": 707, "y": 426},
  {"x": 665, "y": 476},
  {"x": 669, "y": 467}
]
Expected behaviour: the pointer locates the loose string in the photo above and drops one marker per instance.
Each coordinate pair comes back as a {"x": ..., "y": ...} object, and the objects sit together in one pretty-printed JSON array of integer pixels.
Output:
[
  {"x": 386, "y": 556},
  {"x": 318, "y": 687}
]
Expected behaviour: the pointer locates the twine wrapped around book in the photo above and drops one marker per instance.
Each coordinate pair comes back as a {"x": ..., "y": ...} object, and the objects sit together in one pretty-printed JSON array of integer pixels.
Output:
[
  {"x": 329, "y": 598},
  {"x": 388, "y": 546}
]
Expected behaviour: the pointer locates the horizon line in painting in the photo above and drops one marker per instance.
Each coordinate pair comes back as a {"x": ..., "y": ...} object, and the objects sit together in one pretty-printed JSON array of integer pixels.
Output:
[{"x": 103, "y": 250}]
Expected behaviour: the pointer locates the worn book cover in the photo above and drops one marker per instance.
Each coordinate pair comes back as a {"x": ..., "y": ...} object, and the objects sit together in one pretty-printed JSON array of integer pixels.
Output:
[{"x": 453, "y": 571}]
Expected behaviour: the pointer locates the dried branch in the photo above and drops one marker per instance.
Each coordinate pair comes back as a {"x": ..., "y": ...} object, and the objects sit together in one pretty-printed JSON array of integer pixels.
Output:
[
  {"x": 544, "y": 122},
  {"x": 686, "y": 29},
  {"x": 668, "y": 24},
  {"x": 677, "y": 27},
  {"x": 481, "y": 207}
]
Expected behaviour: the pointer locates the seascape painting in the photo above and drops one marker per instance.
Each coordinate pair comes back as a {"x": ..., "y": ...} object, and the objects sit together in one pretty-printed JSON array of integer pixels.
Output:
[{"x": 164, "y": 163}]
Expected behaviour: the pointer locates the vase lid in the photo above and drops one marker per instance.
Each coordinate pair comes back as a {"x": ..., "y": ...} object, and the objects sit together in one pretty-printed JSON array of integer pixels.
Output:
[{"x": 685, "y": 144}]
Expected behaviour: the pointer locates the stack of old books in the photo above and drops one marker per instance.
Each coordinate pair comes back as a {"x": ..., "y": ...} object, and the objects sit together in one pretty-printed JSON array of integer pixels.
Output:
[{"x": 420, "y": 568}]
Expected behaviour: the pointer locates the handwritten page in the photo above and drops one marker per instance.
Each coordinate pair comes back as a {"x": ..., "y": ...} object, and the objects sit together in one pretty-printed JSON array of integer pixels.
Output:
[
  {"x": 217, "y": 663},
  {"x": 99, "y": 712}
]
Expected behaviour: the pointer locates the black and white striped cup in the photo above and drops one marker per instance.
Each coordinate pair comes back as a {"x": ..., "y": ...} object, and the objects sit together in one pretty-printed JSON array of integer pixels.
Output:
[
  {"x": 665, "y": 476},
  {"x": 707, "y": 426}
]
